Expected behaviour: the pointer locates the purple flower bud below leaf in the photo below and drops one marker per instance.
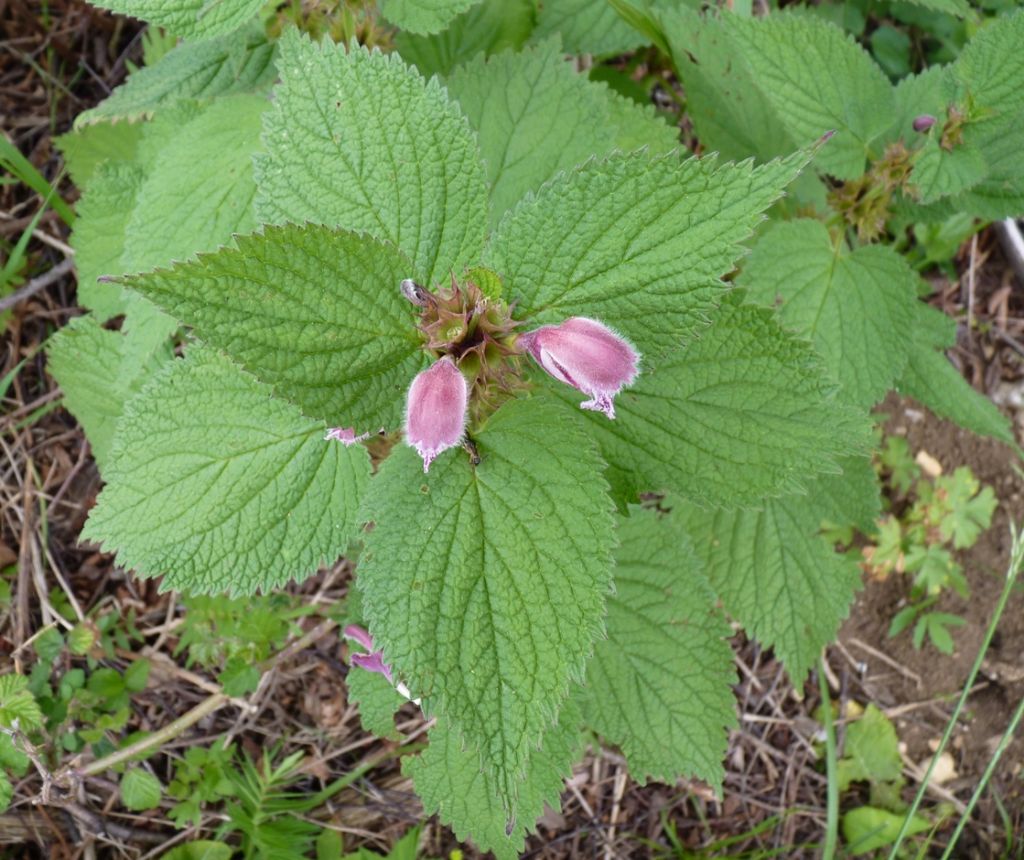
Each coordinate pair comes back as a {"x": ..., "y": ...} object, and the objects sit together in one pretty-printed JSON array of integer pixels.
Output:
[
  {"x": 435, "y": 414},
  {"x": 923, "y": 122},
  {"x": 587, "y": 355},
  {"x": 372, "y": 662}
]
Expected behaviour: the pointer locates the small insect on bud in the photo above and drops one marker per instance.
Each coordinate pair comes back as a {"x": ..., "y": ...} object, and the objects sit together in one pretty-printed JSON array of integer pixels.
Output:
[
  {"x": 587, "y": 355},
  {"x": 923, "y": 122},
  {"x": 435, "y": 414}
]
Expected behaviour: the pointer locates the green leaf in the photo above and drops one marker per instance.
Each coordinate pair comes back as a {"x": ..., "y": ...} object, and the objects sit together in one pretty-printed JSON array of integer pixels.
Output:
[
  {"x": 221, "y": 487},
  {"x": 449, "y": 781},
  {"x": 201, "y": 849},
  {"x": 489, "y": 26},
  {"x": 204, "y": 176},
  {"x": 99, "y": 370},
  {"x": 871, "y": 753},
  {"x": 488, "y": 606},
  {"x": 190, "y": 19},
  {"x": 817, "y": 79},
  {"x": 729, "y": 113},
  {"x": 85, "y": 149},
  {"x": 315, "y": 313},
  {"x": 777, "y": 575},
  {"x": 930, "y": 379},
  {"x": 991, "y": 67},
  {"x": 359, "y": 140},
  {"x": 659, "y": 686},
  {"x": 377, "y": 700},
  {"x": 866, "y": 828},
  {"x": 534, "y": 116},
  {"x": 98, "y": 237},
  {"x": 959, "y": 8},
  {"x": 423, "y": 16},
  {"x": 850, "y": 498},
  {"x": 18, "y": 704},
  {"x": 740, "y": 413},
  {"x": 855, "y": 306},
  {"x": 6, "y": 791},
  {"x": 240, "y": 677},
  {"x": 140, "y": 790},
  {"x": 640, "y": 244},
  {"x": 237, "y": 63},
  {"x": 970, "y": 507},
  {"x": 940, "y": 173},
  {"x": 586, "y": 27}
]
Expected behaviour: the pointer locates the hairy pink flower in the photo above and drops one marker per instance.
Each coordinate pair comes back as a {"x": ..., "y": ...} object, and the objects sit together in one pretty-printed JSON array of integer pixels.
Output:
[
  {"x": 435, "y": 414},
  {"x": 587, "y": 355}
]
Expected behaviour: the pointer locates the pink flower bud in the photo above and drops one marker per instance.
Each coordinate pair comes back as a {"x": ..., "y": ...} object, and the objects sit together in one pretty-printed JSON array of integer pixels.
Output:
[
  {"x": 923, "y": 122},
  {"x": 587, "y": 355},
  {"x": 374, "y": 661},
  {"x": 435, "y": 414}
]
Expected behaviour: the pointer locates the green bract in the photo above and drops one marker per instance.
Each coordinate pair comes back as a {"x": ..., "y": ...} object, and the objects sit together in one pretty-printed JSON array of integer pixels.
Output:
[{"x": 293, "y": 230}]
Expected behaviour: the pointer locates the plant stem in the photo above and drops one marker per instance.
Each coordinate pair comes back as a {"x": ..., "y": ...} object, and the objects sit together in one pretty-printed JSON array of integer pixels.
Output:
[
  {"x": 1003, "y": 744},
  {"x": 1016, "y": 558},
  {"x": 832, "y": 818}
]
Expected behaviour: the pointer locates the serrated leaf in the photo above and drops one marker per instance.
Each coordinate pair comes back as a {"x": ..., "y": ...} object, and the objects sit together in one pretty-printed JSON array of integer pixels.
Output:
[
  {"x": 659, "y": 686},
  {"x": 6, "y": 791},
  {"x": 817, "y": 79},
  {"x": 729, "y": 113},
  {"x": 99, "y": 370},
  {"x": 237, "y": 63},
  {"x": 940, "y": 173},
  {"x": 855, "y": 306},
  {"x": 850, "y": 498},
  {"x": 489, "y": 26},
  {"x": 359, "y": 140},
  {"x": 586, "y": 27},
  {"x": 740, "y": 413},
  {"x": 449, "y": 781},
  {"x": 489, "y": 605},
  {"x": 316, "y": 313},
  {"x": 17, "y": 705},
  {"x": 639, "y": 244},
  {"x": 140, "y": 790},
  {"x": 423, "y": 16},
  {"x": 534, "y": 115},
  {"x": 777, "y": 575},
  {"x": 377, "y": 700},
  {"x": 86, "y": 149},
  {"x": 221, "y": 487},
  {"x": 991, "y": 66},
  {"x": 196, "y": 19},
  {"x": 959, "y": 8},
  {"x": 204, "y": 177},
  {"x": 98, "y": 237},
  {"x": 930, "y": 378}
]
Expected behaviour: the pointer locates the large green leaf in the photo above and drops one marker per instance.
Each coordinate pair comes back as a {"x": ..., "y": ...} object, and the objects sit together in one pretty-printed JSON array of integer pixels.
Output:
[
  {"x": 424, "y": 16},
  {"x": 931, "y": 379},
  {"x": 817, "y": 79},
  {"x": 640, "y": 244},
  {"x": 359, "y": 140},
  {"x": 535, "y": 115},
  {"x": 85, "y": 149},
  {"x": 855, "y": 306},
  {"x": 449, "y": 781},
  {"x": 489, "y": 26},
  {"x": 659, "y": 685},
  {"x": 587, "y": 27},
  {"x": 232, "y": 64},
  {"x": 220, "y": 487},
  {"x": 100, "y": 370},
  {"x": 777, "y": 575},
  {"x": 197, "y": 19},
  {"x": 485, "y": 586},
  {"x": 742, "y": 412},
  {"x": 314, "y": 312},
  {"x": 200, "y": 189}
]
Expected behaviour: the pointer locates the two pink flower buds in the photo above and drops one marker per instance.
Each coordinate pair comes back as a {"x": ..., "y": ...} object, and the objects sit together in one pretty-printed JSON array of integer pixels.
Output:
[{"x": 580, "y": 352}]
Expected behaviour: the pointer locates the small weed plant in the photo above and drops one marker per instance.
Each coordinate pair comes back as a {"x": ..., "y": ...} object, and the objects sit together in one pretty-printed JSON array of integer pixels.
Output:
[
  {"x": 402, "y": 284},
  {"x": 939, "y": 515}
]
